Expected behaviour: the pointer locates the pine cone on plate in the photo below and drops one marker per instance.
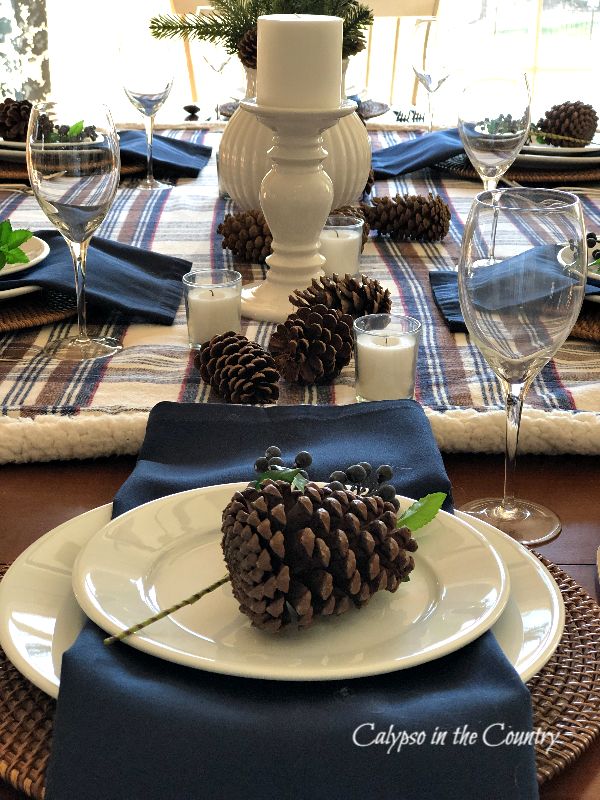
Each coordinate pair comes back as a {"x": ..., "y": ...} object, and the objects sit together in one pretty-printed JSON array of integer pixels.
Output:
[
  {"x": 241, "y": 371},
  {"x": 351, "y": 295},
  {"x": 313, "y": 345},
  {"x": 14, "y": 119},
  {"x": 573, "y": 124},
  {"x": 409, "y": 217},
  {"x": 293, "y": 556},
  {"x": 247, "y": 48}
]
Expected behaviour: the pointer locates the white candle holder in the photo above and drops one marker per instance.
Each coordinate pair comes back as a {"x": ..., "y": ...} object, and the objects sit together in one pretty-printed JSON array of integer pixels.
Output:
[{"x": 295, "y": 196}]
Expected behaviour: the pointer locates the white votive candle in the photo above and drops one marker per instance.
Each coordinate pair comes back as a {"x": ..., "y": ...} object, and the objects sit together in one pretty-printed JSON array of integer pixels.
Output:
[
  {"x": 212, "y": 308},
  {"x": 299, "y": 61},
  {"x": 386, "y": 357},
  {"x": 341, "y": 241}
]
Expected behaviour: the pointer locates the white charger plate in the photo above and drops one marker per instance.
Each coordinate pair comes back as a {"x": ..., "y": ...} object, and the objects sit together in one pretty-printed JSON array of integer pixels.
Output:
[
  {"x": 40, "y": 618},
  {"x": 36, "y": 250},
  {"x": 161, "y": 552},
  {"x": 553, "y": 161}
]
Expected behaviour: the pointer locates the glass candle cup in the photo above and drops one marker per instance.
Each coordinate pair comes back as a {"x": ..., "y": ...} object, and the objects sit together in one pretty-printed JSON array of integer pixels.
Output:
[
  {"x": 213, "y": 303},
  {"x": 341, "y": 244},
  {"x": 385, "y": 356}
]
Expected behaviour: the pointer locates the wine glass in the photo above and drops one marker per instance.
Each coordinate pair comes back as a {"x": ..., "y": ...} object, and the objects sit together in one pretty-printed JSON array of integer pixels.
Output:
[
  {"x": 521, "y": 279},
  {"x": 493, "y": 124},
  {"x": 74, "y": 165},
  {"x": 147, "y": 81},
  {"x": 431, "y": 58}
]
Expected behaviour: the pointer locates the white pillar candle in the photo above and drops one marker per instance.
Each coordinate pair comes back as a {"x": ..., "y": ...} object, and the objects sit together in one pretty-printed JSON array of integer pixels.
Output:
[
  {"x": 385, "y": 366},
  {"x": 212, "y": 311},
  {"x": 299, "y": 61},
  {"x": 341, "y": 250}
]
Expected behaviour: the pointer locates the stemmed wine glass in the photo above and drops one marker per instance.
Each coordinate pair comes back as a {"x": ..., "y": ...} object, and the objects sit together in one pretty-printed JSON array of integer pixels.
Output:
[
  {"x": 493, "y": 124},
  {"x": 521, "y": 279},
  {"x": 147, "y": 81},
  {"x": 431, "y": 60},
  {"x": 74, "y": 165}
]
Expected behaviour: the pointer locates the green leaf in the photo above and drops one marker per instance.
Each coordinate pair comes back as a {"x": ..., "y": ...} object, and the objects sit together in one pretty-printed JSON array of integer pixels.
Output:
[
  {"x": 2, "y": 259},
  {"x": 5, "y": 231},
  {"x": 422, "y": 512},
  {"x": 17, "y": 256},
  {"x": 75, "y": 129},
  {"x": 290, "y": 475},
  {"x": 19, "y": 237}
]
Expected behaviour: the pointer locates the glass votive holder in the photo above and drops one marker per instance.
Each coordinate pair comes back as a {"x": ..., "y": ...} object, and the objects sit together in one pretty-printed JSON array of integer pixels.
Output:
[
  {"x": 341, "y": 244},
  {"x": 213, "y": 303},
  {"x": 385, "y": 356}
]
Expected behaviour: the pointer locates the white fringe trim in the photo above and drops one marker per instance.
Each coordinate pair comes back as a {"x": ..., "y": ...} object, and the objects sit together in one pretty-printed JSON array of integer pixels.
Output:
[{"x": 52, "y": 438}]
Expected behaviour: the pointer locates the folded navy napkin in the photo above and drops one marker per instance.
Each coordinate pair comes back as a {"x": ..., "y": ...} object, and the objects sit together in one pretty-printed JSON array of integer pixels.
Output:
[
  {"x": 132, "y": 726},
  {"x": 426, "y": 150},
  {"x": 170, "y": 157},
  {"x": 536, "y": 270},
  {"x": 138, "y": 283}
]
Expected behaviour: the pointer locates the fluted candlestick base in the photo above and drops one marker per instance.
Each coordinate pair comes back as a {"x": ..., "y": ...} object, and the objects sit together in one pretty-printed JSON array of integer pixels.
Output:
[{"x": 296, "y": 196}]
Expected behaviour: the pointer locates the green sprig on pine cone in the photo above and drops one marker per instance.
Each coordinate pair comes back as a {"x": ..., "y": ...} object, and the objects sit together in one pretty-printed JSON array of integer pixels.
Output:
[{"x": 231, "y": 20}]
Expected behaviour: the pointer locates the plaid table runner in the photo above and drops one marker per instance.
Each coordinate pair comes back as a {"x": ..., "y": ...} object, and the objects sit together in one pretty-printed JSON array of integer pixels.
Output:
[{"x": 53, "y": 410}]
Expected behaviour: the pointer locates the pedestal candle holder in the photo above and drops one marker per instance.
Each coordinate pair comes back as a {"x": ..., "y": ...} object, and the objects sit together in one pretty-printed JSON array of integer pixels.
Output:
[{"x": 296, "y": 197}]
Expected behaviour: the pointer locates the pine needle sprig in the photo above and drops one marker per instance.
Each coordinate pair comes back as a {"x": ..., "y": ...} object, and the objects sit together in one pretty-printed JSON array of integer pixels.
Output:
[{"x": 230, "y": 20}]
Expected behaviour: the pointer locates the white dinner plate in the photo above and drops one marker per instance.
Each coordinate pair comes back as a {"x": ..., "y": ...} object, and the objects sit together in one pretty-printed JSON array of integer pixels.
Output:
[
  {"x": 552, "y": 150},
  {"x": 40, "y": 618},
  {"x": 556, "y": 162},
  {"x": 37, "y": 250},
  {"x": 163, "y": 551},
  {"x": 11, "y": 154}
]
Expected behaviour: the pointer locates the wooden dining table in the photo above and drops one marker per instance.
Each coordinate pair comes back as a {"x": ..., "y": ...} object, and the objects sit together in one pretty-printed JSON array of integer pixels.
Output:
[{"x": 35, "y": 498}]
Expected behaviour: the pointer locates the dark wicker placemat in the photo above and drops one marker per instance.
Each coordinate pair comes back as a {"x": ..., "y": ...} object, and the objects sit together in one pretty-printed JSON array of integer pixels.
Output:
[
  {"x": 461, "y": 166},
  {"x": 565, "y": 697},
  {"x": 588, "y": 323},
  {"x": 17, "y": 170},
  {"x": 35, "y": 310}
]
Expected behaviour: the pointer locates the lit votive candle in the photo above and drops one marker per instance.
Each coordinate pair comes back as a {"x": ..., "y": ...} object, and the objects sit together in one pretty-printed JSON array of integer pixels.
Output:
[
  {"x": 341, "y": 243},
  {"x": 299, "y": 61},
  {"x": 212, "y": 304},
  {"x": 385, "y": 356}
]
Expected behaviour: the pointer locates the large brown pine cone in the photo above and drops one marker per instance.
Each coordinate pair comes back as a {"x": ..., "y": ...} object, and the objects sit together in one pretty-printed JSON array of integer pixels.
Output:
[
  {"x": 240, "y": 370},
  {"x": 14, "y": 118},
  {"x": 313, "y": 345},
  {"x": 247, "y": 48},
  {"x": 573, "y": 124},
  {"x": 409, "y": 217},
  {"x": 351, "y": 295},
  {"x": 295, "y": 555}
]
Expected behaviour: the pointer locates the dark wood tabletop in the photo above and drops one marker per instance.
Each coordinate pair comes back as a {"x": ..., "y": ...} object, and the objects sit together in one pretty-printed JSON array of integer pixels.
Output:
[{"x": 35, "y": 498}]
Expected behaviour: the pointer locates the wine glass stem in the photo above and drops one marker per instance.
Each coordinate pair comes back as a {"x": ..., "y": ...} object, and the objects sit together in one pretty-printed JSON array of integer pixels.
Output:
[
  {"x": 489, "y": 184},
  {"x": 79, "y": 255},
  {"x": 430, "y": 111},
  {"x": 515, "y": 393},
  {"x": 149, "y": 126}
]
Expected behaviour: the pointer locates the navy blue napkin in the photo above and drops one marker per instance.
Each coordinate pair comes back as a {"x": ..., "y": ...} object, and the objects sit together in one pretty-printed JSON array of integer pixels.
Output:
[
  {"x": 426, "y": 150},
  {"x": 132, "y": 726},
  {"x": 492, "y": 286},
  {"x": 138, "y": 283},
  {"x": 170, "y": 157}
]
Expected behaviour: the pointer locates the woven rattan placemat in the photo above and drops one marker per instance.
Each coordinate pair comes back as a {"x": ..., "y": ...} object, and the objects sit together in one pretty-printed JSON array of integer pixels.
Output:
[
  {"x": 565, "y": 695},
  {"x": 34, "y": 310},
  {"x": 17, "y": 171},
  {"x": 461, "y": 166}
]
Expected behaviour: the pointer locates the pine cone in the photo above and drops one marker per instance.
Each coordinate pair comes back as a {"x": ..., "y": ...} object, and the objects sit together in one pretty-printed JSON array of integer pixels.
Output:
[
  {"x": 247, "y": 235},
  {"x": 355, "y": 296},
  {"x": 295, "y": 555},
  {"x": 14, "y": 118},
  {"x": 409, "y": 217},
  {"x": 240, "y": 370},
  {"x": 575, "y": 121},
  {"x": 370, "y": 182},
  {"x": 312, "y": 345},
  {"x": 247, "y": 48}
]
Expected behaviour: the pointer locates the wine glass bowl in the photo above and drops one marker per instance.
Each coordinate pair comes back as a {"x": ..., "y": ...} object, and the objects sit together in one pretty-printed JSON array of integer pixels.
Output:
[
  {"x": 521, "y": 278},
  {"x": 431, "y": 61},
  {"x": 493, "y": 124},
  {"x": 74, "y": 173}
]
